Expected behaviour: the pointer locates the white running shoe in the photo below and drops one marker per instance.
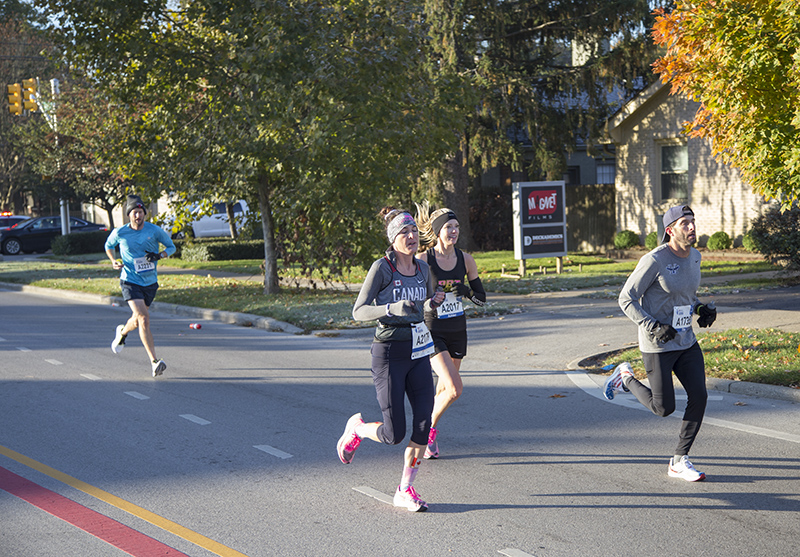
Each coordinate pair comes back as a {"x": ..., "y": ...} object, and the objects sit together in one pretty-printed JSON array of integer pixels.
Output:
[
  {"x": 158, "y": 367},
  {"x": 685, "y": 470},
  {"x": 119, "y": 340},
  {"x": 614, "y": 381},
  {"x": 409, "y": 499}
]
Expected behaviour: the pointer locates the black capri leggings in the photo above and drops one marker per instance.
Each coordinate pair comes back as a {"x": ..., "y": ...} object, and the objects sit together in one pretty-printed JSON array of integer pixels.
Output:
[
  {"x": 689, "y": 368},
  {"x": 395, "y": 376}
]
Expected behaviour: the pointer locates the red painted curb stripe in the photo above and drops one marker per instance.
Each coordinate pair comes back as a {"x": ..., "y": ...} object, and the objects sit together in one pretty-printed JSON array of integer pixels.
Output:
[{"x": 107, "y": 529}]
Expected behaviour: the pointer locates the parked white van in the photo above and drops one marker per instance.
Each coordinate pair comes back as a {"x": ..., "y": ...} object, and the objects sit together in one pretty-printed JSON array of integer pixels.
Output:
[{"x": 215, "y": 224}]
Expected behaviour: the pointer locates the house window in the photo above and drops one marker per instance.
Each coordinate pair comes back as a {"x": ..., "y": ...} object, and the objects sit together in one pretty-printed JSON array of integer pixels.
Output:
[
  {"x": 572, "y": 177},
  {"x": 606, "y": 172},
  {"x": 674, "y": 172}
]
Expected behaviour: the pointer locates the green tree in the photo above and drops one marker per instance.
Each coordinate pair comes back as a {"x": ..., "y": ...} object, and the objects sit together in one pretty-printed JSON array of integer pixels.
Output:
[
  {"x": 741, "y": 61},
  {"x": 317, "y": 110},
  {"x": 77, "y": 142},
  {"x": 542, "y": 74},
  {"x": 21, "y": 59}
]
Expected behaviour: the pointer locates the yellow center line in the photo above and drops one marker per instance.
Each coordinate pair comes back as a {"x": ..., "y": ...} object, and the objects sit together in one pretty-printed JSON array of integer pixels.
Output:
[{"x": 159, "y": 521}]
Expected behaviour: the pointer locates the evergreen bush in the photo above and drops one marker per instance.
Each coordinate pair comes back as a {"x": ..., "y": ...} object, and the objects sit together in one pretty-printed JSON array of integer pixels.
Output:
[
  {"x": 719, "y": 241},
  {"x": 223, "y": 251},
  {"x": 776, "y": 236},
  {"x": 748, "y": 242},
  {"x": 651, "y": 242},
  {"x": 78, "y": 243},
  {"x": 626, "y": 239}
]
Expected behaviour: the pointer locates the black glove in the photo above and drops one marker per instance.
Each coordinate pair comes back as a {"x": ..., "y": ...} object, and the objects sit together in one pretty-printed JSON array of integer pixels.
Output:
[
  {"x": 707, "y": 315},
  {"x": 664, "y": 333},
  {"x": 152, "y": 256},
  {"x": 433, "y": 304},
  {"x": 463, "y": 290}
]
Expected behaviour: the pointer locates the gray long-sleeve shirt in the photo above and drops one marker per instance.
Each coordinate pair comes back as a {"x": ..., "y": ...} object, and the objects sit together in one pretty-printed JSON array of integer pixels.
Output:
[
  {"x": 663, "y": 289},
  {"x": 385, "y": 285}
]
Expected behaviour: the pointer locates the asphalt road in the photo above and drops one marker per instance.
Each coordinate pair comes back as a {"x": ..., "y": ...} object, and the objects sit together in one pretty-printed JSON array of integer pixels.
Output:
[{"x": 232, "y": 451}]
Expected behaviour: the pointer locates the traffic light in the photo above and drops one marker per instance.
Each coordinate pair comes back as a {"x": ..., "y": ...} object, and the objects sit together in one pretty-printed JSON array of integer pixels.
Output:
[
  {"x": 29, "y": 98},
  {"x": 15, "y": 99}
]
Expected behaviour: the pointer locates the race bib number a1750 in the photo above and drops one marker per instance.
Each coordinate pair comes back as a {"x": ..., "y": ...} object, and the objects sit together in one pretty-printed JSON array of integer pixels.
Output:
[{"x": 681, "y": 318}]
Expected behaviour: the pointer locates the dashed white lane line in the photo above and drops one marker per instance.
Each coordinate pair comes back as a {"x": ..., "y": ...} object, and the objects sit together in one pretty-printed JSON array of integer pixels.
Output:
[
  {"x": 511, "y": 552},
  {"x": 591, "y": 388},
  {"x": 375, "y": 494},
  {"x": 136, "y": 395},
  {"x": 272, "y": 450},
  {"x": 55, "y": 362},
  {"x": 90, "y": 377},
  {"x": 23, "y": 349},
  {"x": 195, "y": 419}
]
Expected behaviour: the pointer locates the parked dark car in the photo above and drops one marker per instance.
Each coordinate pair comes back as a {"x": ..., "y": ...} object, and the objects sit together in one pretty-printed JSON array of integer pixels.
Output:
[
  {"x": 35, "y": 235},
  {"x": 7, "y": 220}
]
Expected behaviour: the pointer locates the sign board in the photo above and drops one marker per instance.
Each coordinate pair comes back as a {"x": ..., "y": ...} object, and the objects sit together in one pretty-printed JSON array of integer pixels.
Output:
[{"x": 540, "y": 219}]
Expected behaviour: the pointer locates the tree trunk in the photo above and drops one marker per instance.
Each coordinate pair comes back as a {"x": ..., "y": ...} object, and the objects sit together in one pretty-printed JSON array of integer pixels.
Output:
[
  {"x": 110, "y": 214},
  {"x": 271, "y": 285},
  {"x": 231, "y": 220},
  {"x": 456, "y": 196}
]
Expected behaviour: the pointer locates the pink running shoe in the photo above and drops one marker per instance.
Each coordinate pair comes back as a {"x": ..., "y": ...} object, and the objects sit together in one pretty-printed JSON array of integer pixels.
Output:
[
  {"x": 409, "y": 499},
  {"x": 349, "y": 441},
  {"x": 432, "y": 450}
]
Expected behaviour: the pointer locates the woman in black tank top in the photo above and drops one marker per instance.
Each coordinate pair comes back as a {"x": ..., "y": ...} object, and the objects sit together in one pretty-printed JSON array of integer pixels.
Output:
[{"x": 451, "y": 270}]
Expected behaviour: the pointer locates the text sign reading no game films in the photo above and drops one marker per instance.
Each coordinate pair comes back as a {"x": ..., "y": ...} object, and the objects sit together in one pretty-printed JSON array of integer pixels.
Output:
[{"x": 540, "y": 221}]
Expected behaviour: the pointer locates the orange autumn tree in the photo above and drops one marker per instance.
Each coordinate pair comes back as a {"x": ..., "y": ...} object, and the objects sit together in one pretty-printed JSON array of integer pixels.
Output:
[{"x": 741, "y": 60}]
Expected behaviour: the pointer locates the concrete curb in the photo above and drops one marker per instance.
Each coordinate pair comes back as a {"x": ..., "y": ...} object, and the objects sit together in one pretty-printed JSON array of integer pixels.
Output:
[
  {"x": 777, "y": 392},
  {"x": 232, "y": 318}
]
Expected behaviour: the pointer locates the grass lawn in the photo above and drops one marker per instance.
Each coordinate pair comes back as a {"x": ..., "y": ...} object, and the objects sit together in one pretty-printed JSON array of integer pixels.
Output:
[{"x": 757, "y": 355}]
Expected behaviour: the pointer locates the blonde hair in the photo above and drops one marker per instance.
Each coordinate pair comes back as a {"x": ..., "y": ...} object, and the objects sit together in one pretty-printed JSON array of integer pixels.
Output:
[{"x": 428, "y": 237}]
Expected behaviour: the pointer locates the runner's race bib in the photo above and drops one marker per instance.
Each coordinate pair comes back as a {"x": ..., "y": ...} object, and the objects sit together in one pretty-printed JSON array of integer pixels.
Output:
[
  {"x": 681, "y": 318},
  {"x": 451, "y": 307},
  {"x": 421, "y": 341},
  {"x": 142, "y": 265}
]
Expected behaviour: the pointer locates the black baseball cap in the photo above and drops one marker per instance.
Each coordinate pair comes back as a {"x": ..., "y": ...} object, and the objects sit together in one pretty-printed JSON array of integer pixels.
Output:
[{"x": 672, "y": 215}]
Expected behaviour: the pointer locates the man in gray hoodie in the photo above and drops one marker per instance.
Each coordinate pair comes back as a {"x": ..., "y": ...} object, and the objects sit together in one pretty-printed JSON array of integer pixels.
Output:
[{"x": 660, "y": 296}]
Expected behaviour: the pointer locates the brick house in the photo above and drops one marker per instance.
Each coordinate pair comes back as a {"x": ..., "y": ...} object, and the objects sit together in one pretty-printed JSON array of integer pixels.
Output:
[{"x": 657, "y": 166}]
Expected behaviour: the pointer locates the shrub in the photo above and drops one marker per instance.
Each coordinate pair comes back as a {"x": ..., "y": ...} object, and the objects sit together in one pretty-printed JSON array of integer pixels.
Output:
[
  {"x": 223, "y": 251},
  {"x": 719, "y": 241},
  {"x": 626, "y": 239},
  {"x": 651, "y": 241},
  {"x": 748, "y": 242},
  {"x": 78, "y": 243},
  {"x": 776, "y": 236}
]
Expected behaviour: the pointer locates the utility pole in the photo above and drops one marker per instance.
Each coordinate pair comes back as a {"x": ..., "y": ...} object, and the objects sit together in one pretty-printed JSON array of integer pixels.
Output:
[{"x": 49, "y": 113}]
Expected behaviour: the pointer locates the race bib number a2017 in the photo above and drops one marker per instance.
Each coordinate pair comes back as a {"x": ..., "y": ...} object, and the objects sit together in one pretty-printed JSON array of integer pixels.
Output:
[
  {"x": 681, "y": 317},
  {"x": 451, "y": 307},
  {"x": 421, "y": 341},
  {"x": 142, "y": 265}
]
